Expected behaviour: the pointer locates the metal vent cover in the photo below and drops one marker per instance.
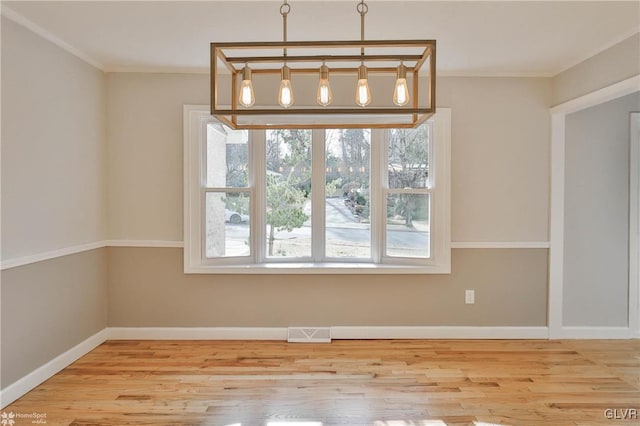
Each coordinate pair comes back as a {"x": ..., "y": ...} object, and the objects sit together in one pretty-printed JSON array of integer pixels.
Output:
[{"x": 309, "y": 334}]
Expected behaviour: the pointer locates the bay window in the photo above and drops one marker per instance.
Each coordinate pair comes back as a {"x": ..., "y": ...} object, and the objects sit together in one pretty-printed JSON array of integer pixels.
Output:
[{"x": 316, "y": 201}]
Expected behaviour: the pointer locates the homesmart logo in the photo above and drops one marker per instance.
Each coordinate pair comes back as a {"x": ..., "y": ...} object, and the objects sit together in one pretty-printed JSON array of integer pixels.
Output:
[
  {"x": 11, "y": 418},
  {"x": 7, "y": 419}
]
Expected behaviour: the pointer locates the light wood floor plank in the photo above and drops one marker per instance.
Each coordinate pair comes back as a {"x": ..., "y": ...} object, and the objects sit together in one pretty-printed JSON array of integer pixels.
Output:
[{"x": 376, "y": 382}]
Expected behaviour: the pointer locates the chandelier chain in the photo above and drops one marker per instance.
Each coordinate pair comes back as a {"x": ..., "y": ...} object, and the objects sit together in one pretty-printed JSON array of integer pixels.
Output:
[
  {"x": 362, "y": 9},
  {"x": 285, "y": 8}
]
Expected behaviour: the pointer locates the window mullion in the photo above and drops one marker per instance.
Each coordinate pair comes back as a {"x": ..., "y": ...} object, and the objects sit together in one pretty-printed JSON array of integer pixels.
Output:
[
  {"x": 203, "y": 226},
  {"x": 378, "y": 192},
  {"x": 318, "y": 195},
  {"x": 258, "y": 182},
  {"x": 409, "y": 190}
]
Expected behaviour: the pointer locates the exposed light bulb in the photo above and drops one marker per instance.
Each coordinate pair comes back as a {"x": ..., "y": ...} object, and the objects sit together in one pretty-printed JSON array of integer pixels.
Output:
[
  {"x": 363, "y": 94},
  {"x": 247, "y": 98},
  {"x": 285, "y": 95},
  {"x": 401, "y": 91},
  {"x": 324, "y": 96}
]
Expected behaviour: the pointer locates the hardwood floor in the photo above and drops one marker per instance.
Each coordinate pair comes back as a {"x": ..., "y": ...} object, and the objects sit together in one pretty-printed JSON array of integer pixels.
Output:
[{"x": 381, "y": 383}]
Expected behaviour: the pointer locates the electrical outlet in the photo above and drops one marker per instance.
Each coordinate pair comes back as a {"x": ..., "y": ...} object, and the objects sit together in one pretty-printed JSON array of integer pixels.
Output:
[{"x": 469, "y": 297}]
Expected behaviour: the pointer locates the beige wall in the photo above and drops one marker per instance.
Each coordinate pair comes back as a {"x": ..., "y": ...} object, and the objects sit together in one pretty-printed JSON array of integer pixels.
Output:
[
  {"x": 147, "y": 288},
  {"x": 500, "y": 127},
  {"x": 53, "y": 147},
  {"x": 499, "y": 157},
  {"x": 615, "y": 64},
  {"x": 53, "y": 196},
  {"x": 597, "y": 214},
  {"x": 145, "y": 152},
  {"x": 49, "y": 307}
]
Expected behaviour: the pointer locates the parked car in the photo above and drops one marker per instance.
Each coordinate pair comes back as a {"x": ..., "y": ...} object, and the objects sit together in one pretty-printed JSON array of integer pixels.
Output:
[{"x": 235, "y": 217}]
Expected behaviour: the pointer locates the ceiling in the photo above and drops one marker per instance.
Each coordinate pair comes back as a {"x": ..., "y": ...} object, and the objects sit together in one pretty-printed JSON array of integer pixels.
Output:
[{"x": 502, "y": 38}]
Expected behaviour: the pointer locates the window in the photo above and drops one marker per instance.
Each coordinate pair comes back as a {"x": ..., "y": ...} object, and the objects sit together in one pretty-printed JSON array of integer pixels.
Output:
[
  {"x": 407, "y": 193},
  {"x": 226, "y": 194},
  {"x": 328, "y": 201},
  {"x": 288, "y": 201},
  {"x": 347, "y": 195}
]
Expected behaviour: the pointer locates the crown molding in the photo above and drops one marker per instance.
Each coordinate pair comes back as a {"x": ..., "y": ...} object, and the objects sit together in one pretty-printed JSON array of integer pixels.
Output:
[
  {"x": 596, "y": 51},
  {"x": 19, "y": 19}
]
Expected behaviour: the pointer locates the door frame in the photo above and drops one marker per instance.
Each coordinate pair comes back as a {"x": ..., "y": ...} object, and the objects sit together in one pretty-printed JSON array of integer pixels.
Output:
[
  {"x": 634, "y": 223},
  {"x": 557, "y": 330}
]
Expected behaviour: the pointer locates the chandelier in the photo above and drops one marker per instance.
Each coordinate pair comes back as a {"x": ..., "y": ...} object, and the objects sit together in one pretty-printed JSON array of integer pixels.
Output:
[{"x": 287, "y": 84}]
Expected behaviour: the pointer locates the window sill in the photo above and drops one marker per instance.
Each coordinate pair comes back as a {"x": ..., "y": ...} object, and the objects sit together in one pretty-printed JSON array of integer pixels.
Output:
[{"x": 318, "y": 269}]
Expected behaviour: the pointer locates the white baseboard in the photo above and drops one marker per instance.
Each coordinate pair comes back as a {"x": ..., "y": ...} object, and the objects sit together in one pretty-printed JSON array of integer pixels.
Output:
[
  {"x": 197, "y": 333},
  {"x": 439, "y": 332},
  {"x": 594, "y": 333},
  {"x": 356, "y": 332},
  {"x": 39, "y": 375}
]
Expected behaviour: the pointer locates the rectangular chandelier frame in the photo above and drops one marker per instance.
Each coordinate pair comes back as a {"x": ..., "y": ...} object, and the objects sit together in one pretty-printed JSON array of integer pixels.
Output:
[{"x": 305, "y": 117}]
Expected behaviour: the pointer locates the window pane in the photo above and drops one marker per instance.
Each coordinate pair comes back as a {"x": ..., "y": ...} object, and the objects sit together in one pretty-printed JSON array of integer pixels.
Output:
[
  {"x": 347, "y": 202},
  {"x": 408, "y": 225},
  {"x": 227, "y": 224},
  {"x": 227, "y": 157},
  {"x": 288, "y": 215},
  {"x": 409, "y": 157}
]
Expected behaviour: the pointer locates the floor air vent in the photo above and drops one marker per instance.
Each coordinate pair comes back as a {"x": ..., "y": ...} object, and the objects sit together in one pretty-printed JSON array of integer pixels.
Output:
[{"x": 309, "y": 335}]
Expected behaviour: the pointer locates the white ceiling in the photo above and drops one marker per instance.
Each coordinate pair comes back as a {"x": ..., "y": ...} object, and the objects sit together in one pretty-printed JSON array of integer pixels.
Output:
[{"x": 474, "y": 38}]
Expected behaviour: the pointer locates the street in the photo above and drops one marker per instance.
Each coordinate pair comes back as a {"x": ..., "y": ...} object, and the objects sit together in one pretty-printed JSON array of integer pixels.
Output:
[{"x": 344, "y": 229}]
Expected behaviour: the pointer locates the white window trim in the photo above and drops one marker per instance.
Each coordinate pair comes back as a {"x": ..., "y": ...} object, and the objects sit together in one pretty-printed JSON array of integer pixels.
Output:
[{"x": 195, "y": 118}]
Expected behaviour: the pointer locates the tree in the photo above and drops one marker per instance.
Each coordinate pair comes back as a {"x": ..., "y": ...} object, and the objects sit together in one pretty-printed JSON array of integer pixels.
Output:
[
  {"x": 408, "y": 167},
  {"x": 406, "y": 206},
  {"x": 288, "y": 175},
  {"x": 356, "y": 152},
  {"x": 289, "y": 152},
  {"x": 408, "y": 158},
  {"x": 237, "y": 160},
  {"x": 347, "y": 161},
  {"x": 285, "y": 207}
]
